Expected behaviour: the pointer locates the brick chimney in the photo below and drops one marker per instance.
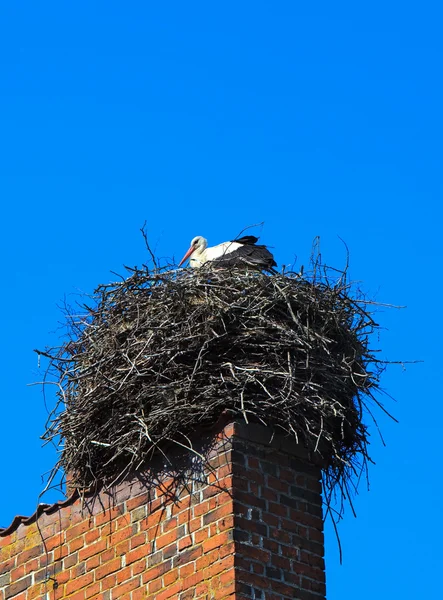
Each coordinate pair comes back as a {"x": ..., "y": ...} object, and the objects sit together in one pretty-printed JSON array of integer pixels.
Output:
[{"x": 250, "y": 528}]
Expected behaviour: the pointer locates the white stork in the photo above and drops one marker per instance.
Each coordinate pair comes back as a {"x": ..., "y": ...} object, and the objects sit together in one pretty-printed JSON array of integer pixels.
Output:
[{"x": 236, "y": 253}]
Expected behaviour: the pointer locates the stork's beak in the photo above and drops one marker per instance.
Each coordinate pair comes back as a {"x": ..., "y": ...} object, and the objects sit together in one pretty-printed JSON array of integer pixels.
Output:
[{"x": 186, "y": 256}]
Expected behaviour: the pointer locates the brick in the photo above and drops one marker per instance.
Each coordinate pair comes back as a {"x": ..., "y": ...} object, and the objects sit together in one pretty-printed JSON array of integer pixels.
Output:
[
  {"x": 170, "y": 577},
  {"x": 202, "y": 589},
  {"x": 289, "y": 501},
  {"x": 270, "y": 468},
  {"x": 92, "y": 562},
  {"x": 141, "y": 500},
  {"x": 37, "y": 591},
  {"x": 91, "y": 536},
  {"x": 188, "y": 556},
  {"x": 309, "y": 496},
  {"x": 201, "y": 509},
  {"x": 318, "y": 586},
  {"x": 287, "y": 475},
  {"x": 253, "y": 579},
  {"x": 124, "y": 574},
  {"x": 284, "y": 537},
  {"x": 152, "y": 520},
  {"x": 54, "y": 542},
  {"x": 187, "y": 570},
  {"x": 41, "y": 575},
  {"x": 7, "y": 565},
  {"x": 269, "y": 494},
  {"x": 78, "y": 583},
  {"x": 157, "y": 571},
  {"x": 316, "y": 535},
  {"x": 139, "y": 594},
  {"x": 188, "y": 594},
  {"x": 124, "y": 588},
  {"x": 227, "y": 549},
  {"x": 273, "y": 573},
  {"x": 76, "y": 544},
  {"x": 63, "y": 577},
  {"x": 252, "y": 526},
  {"x": 273, "y": 520},
  {"x": 166, "y": 539},
  {"x": 225, "y": 523},
  {"x": 26, "y": 555},
  {"x": 21, "y": 596},
  {"x": 92, "y": 590},
  {"x": 253, "y": 462},
  {"x": 307, "y": 571},
  {"x": 108, "y": 568},
  {"x": 70, "y": 560},
  {"x": 201, "y": 534},
  {"x": 278, "y": 509},
  {"x": 219, "y": 540},
  {"x": 122, "y": 521},
  {"x": 184, "y": 543},
  {"x": 17, "y": 587},
  {"x": 92, "y": 549},
  {"x": 108, "y": 515},
  {"x": 108, "y": 582},
  {"x": 60, "y": 552},
  {"x": 207, "y": 559},
  {"x": 281, "y": 562},
  {"x": 218, "y": 513},
  {"x": 138, "y": 540},
  {"x": 170, "y": 592},
  {"x": 308, "y": 520},
  {"x": 18, "y": 573},
  {"x": 136, "y": 554},
  {"x": 169, "y": 524},
  {"x": 249, "y": 474},
  {"x": 216, "y": 568},
  {"x": 253, "y": 553},
  {"x": 170, "y": 551},
  {"x": 155, "y": 559},
  {"x": 78, "y": 595},
  {"x": 77, "y": 530},
  {"x": 122, "y": 548},
  {"x": 184, "y": 516},
  {"x": 209, "y": 491},
  {"x": 155, "y": 586},
  {"x": 107, "y": 555},
  {"x": 138, "y": 514},
  {"x": 79, "y": 569},
  {"x": 122, "y": 534},
  {"x": 138, "y": 567},
  {"x": 195, "y": 524},
  {"x": 227, "y": 577},
  {"x": 292, "y": 578}
]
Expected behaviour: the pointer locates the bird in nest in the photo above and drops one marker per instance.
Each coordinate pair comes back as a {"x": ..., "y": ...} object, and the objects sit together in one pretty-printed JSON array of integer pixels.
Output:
[{"x": 243, "y": 252}]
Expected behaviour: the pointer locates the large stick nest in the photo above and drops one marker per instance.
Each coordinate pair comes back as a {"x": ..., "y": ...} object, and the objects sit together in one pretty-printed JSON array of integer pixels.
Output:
[{"x": 160, "y": 355}]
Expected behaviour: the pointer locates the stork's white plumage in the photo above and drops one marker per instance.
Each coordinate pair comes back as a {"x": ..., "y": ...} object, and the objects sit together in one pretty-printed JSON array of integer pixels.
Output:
[{"x": 236, "y": 253}]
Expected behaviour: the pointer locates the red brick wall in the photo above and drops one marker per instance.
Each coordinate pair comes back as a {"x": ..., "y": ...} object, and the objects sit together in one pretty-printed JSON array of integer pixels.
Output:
[{"x": 252, "y": 530}]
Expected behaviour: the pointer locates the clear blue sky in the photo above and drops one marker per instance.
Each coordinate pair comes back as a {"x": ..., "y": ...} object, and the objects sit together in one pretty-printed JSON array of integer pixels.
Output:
[{"x": 202, "y": 118}]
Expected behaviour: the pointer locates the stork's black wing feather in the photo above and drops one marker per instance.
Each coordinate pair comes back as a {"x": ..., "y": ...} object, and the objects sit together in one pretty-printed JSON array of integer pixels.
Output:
[
  {"x": 247, "y": 239},
  {"x": 249, "y": 255}
]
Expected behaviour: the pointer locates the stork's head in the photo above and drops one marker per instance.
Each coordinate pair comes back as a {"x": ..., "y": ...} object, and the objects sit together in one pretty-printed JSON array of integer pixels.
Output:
[{"x": 198, "y": 245}]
